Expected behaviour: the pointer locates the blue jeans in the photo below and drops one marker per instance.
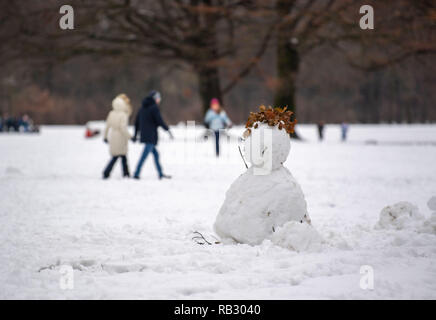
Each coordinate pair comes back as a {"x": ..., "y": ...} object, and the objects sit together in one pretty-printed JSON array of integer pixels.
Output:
[{"x": 149, "y": 147}]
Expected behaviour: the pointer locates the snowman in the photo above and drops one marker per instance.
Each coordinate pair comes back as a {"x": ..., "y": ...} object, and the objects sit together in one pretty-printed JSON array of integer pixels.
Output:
[{"x": 266, "y": 196}]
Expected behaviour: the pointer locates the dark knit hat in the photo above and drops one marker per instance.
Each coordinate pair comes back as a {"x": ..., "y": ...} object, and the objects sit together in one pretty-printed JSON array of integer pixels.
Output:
[{"x": 155, "y": 95}]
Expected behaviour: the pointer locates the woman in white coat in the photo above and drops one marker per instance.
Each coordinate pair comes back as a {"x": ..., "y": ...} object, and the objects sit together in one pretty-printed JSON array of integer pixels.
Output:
[{"x": 116, "y": 133}]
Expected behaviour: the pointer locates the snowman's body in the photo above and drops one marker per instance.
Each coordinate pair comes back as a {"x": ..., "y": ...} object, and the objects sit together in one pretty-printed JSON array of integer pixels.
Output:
[{"x": 266, "y": 196}]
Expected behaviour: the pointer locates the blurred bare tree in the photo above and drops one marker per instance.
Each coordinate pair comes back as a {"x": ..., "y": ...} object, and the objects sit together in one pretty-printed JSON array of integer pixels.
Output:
[
  {"x": 402, "y": 29},
  {"x": 222, "y": 42},
  {"x": 200, "y": 34}
]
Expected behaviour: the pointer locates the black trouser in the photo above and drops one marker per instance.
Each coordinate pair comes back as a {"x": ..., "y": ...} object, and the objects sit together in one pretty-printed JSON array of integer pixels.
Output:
[
  {"x": 217, "y": 143},
  {"x": 111, "y": 164}
]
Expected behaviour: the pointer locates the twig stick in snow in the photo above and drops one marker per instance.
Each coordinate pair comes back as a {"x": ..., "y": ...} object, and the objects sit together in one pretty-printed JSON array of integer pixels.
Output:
[
  {"x": 50, "y": 267},
  {"x": 240, "y": 152},
  {"x": 200, "y": 239}
]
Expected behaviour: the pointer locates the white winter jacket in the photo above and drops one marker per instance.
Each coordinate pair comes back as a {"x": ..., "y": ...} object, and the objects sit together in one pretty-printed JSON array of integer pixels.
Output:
[{"x": 116, "y": 127}]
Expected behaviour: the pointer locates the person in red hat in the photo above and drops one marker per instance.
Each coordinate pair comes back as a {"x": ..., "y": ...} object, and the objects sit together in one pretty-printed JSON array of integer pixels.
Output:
[{"x": 216, "y": 119}]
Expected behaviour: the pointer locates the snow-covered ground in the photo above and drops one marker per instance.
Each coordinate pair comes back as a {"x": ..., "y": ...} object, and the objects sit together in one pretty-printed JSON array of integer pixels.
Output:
[{"x": 132, "y": 239}]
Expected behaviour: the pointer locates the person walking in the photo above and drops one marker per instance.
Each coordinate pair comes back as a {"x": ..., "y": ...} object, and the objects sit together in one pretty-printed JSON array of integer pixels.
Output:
[
  {"x": 216, "y": 119},
  {"x": 117, "y": 135},
  {"x": 344, "y": 131},
  {"x": 147, "y": 121},
  {"x": 321, "y": 130}
]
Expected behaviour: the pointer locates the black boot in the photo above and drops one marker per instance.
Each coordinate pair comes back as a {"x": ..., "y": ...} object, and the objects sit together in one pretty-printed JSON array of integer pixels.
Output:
[
  {"x": 109, "y": 167},
  {"x": 126, "y": 173},
  {"x": 164, "y": 176}
]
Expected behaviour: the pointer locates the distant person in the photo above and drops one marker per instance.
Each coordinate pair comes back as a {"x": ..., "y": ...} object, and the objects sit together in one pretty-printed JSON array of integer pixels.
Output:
[
  {"x": 321, "y": 130},
  {"x": 25, "y": 123},
  {"x": 216, "y": 119},
  {"x": 1, "y": 123},
  {"x": 147, "y": 121},
  {"x": 91, "y": 133},
  {"x": 12, "y": 123},
  {"x": 117, "y": 135},
  {"x": 344, "y": 131},
  {"x": 6, "y": 122}
]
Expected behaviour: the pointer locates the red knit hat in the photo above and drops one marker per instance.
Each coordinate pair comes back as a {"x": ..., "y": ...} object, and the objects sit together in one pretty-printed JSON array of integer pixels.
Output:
[{"x": 214, "y": 101}]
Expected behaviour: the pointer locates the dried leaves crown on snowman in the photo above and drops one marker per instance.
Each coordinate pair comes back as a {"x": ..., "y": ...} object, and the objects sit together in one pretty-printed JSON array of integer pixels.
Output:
[{"x": 280, "y": 117}]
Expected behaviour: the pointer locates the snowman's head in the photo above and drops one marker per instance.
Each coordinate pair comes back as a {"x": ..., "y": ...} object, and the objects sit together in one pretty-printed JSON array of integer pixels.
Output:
[{"x": 267, "y": 148}]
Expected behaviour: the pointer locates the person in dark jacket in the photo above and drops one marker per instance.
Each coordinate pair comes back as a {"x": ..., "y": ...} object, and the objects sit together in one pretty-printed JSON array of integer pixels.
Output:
[{"x": 147, "y": 121}]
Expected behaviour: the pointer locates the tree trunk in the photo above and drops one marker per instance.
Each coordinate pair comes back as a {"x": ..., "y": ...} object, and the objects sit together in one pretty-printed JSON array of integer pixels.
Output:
[
  {"x": 287, "y": 70},
  {"x": 205, "y": 65},
  {"x": 209, "y": 85},
  {"x": 288, "y": 61}
]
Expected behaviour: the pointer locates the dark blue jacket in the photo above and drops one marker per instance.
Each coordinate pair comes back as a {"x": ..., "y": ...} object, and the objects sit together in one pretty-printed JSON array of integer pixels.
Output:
[{"x": 148, "y": 120}]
